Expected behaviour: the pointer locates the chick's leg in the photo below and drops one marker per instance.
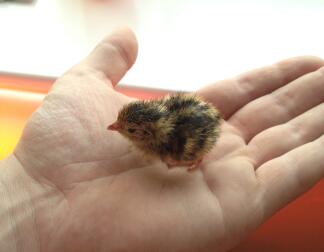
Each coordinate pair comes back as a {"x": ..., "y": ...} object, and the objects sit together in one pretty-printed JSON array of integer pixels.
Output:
[
  {"x": 171, "y": 163},
  {"x": 194, "y": 165}
]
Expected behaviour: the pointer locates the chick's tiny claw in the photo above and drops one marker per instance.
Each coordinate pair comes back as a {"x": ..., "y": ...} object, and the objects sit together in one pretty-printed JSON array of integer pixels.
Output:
[{"x": 179, "y": 129}]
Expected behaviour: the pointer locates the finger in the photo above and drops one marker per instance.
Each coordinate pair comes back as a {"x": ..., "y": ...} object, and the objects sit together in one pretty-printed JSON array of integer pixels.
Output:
[
  {"x": 280, "y": 106},
  {"x": 288, "y": 176},
  {"x": 278, "y": 140},
  {"x": 231, "y": 95},
  {"x": 114, "y": 55}
]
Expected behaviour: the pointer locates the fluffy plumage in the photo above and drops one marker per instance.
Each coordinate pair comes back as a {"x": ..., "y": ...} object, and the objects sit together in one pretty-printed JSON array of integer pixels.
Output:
[{"x": 180, "y": 128}]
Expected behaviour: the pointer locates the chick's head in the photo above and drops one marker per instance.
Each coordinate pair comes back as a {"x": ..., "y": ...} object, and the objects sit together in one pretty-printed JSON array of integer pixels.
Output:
[{"x": 139, "y": 121}]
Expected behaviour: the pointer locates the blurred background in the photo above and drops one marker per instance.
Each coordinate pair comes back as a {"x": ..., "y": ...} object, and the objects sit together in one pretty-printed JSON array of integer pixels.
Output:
[{"x": 183, "y": 45}]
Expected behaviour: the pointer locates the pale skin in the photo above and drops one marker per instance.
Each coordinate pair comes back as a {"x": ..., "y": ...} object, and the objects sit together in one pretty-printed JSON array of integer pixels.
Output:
[{"x": 71, "y": 185}]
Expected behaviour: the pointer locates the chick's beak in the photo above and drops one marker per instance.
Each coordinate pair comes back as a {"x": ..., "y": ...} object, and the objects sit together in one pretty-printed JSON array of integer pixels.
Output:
[{"x": 115, "y": 126}]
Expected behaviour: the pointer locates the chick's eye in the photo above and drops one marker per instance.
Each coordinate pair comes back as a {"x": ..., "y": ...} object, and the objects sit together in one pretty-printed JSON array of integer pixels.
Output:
[{"x": 131, "y": 130}]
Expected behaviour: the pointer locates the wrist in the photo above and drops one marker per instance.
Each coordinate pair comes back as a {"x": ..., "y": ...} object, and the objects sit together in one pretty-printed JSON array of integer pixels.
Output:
[{"x": 18, "y": 192}]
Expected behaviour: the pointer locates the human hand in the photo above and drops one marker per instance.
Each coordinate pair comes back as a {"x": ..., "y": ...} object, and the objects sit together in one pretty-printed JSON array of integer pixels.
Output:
[{"x": 95, "y": 193}]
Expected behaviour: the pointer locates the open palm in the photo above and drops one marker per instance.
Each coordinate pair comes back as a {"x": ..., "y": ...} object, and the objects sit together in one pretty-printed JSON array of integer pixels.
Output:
[{"x": 100, "y": 194}]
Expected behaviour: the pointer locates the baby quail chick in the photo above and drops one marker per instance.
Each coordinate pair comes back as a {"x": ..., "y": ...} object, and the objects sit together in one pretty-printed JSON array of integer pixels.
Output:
[{"x": 180, "y": 129}]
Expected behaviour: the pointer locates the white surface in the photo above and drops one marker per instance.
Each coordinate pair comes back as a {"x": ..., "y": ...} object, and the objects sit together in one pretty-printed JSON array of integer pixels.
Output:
[{"x": 184, "y": 44}]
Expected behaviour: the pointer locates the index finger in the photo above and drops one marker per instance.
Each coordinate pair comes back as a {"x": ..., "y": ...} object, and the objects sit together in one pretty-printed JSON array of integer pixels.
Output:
[{"x": 231, "y": 95}]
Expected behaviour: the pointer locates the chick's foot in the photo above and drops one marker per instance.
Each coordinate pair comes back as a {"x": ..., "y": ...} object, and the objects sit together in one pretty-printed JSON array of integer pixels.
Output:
[{"x": 192, "y": 165}]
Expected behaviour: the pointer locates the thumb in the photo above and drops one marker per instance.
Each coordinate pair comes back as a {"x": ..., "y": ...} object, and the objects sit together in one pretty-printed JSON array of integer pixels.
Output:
[{"x": 114, "y": 55}]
